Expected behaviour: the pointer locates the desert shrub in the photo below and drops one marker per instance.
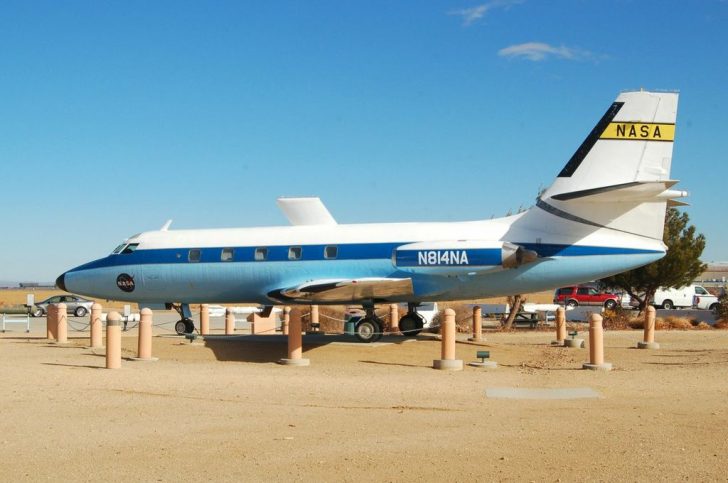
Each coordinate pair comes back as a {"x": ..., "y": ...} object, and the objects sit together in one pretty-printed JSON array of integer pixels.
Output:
[
  {"x": 672, "y": 322},
  {"x": 702, "y": 326},
  {"x": 721, "y": 324},
  {"x": 463, "y": 318},
  {"x": 617, "y": 319}
]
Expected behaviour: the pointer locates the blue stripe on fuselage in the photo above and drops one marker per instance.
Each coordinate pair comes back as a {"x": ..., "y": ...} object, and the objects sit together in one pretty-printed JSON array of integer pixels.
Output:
[{"x": 347, "y": 251}]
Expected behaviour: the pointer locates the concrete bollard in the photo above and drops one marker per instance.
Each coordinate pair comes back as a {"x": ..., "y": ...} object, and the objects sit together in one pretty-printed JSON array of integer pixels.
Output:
[
  {"x": 229, "y": 322},
  {"x": 447, "y": 331},
  {"x": 113, "y": 340},
  {"x": 477, "y": 324},
  {"x": 144, "y": 347},
  {"x": 560, "y": 327},
  {"x": 649, "y": 335},
  {"x": 96, "y": 327},
  {"x": 315, "y": 324},
  {"x": 62, "y": 324},
  {"x": 295, "y": 345},
  {"x": 393, "y": 318},
  {"x": 51, "y": 322},
  {"x": 204, "y": 319},
  {"x": 596, "y": 345},
  {"x": 286, "y": 320}
]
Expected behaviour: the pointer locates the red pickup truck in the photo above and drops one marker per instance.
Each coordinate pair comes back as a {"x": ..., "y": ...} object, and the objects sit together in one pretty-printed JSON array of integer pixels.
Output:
[{"x": 585, "y": 295}]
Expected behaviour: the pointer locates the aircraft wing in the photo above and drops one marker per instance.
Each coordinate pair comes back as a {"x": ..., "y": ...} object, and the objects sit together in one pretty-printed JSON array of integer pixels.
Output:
[{"x": 345, "y": 290}]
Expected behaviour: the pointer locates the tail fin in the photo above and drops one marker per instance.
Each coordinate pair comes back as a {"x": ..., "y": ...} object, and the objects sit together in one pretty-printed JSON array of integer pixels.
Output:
[{"x": 619, "y": 178}]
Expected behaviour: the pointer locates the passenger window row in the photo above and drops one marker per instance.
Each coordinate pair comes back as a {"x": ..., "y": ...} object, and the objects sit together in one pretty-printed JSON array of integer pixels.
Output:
[{"x": 331, "y": 252}]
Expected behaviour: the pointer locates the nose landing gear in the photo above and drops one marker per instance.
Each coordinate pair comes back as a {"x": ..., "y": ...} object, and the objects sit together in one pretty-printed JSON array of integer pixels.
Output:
[{"x": 185, "y": 324}]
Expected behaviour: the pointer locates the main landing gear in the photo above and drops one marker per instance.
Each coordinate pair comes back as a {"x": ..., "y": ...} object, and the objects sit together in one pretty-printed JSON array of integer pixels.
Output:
[
  {"x": 370, "y": 328},
  {"x": 411, "y": 323},
  {"x": 185, "y": 324}
]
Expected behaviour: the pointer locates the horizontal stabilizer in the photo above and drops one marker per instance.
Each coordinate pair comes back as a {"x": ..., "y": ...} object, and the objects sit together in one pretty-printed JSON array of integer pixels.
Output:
[
  {"x": 345, "y": 290},
  {"x": 305, "y": 211},
  {"x": 635, "y": 191}
]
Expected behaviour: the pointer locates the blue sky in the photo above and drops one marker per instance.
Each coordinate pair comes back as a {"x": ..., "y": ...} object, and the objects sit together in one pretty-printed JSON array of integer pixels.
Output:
[{"x": 116, "y": 116}]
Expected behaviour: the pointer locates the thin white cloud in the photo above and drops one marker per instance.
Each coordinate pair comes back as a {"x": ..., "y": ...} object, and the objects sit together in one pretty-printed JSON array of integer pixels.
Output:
[
  {"x": 538, "y": 51},
  {"x": 473, "y": 14}
]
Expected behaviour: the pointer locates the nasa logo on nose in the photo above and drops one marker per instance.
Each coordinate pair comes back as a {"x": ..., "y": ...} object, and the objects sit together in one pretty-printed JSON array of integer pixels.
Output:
[{"x": 125, "y": 282}]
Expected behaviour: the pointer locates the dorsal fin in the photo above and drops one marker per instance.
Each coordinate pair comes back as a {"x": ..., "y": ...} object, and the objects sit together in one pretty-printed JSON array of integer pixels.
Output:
[{"x": 305, "y": 211}]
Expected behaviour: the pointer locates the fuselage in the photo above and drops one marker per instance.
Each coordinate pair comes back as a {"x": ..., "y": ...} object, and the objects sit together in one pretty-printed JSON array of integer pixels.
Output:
[{"x": 244, "y": 265}]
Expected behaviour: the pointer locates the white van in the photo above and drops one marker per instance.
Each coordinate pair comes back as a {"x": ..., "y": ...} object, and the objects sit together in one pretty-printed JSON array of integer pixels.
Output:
[{"x": 689, "y": 296}]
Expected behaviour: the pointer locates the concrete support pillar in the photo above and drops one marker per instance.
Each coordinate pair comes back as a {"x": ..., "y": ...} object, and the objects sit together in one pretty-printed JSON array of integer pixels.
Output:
[
  {"x": 649, "y": 335},
  {"x": 52, "y": 322},
  {"x": 62, "y": 324},
  {"x": 477, "y": 324},
  {"x": 596, "y": 345},
  {"x": 447, "y": 352},
  {"x": 96, "y": 327},
  {"x": 393, "y": 318},
  {"x": 144, "y": 347},
  {"x": 204, "y": 319},
  {"x": 295, "y": 345},
  {"x": 286, "y": 320},
  {"x": 229, "y": 322},
  {"x": 315, "y": 324},
  {"x": 113, "y": 340},
  {"x": 560, "y": 326}
]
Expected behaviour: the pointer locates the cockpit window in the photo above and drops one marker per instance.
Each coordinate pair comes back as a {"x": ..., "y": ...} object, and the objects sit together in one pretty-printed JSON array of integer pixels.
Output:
[
  {"x": 118, "y": 249},
  {"x": 130, "y": 248}
]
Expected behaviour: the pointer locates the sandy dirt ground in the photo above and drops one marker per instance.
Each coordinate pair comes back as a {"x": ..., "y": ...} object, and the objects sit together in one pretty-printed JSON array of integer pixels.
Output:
[{"x": 223, "y": 409}]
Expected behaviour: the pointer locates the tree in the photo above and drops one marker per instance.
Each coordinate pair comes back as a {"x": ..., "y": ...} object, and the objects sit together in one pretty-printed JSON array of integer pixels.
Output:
[{"x": 678, "y": 268}]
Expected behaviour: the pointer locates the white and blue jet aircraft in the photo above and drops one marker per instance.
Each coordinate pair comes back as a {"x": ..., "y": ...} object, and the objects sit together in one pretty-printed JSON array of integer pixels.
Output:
[{"x": 604, "y": 214}]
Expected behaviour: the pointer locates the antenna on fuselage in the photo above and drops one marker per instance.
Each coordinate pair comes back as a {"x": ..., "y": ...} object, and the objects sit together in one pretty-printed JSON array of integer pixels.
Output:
[{"x": 165, "y": 227}]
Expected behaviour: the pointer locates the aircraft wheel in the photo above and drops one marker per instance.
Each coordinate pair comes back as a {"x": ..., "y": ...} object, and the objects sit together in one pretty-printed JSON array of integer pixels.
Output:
[
  {"x": 184, "y": 326},
  {"x": 410, "y": 324},
  {"x": 368, "y": 330}
]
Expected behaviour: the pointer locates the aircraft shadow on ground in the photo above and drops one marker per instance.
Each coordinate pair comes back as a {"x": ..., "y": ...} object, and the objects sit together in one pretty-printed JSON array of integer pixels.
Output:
[
  {"x": 272, "y": 348},
  {"x": 252, "y": 349}
]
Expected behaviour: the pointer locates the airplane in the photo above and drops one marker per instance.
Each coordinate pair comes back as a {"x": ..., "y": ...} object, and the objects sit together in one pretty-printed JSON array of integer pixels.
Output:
[{"x": 603, "y": 214}]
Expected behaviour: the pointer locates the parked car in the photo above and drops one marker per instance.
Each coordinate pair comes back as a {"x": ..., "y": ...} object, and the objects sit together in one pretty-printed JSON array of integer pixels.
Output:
[
  {"x": 585, "y": 295},
  {"x": 684, "y": 297},
  {"x": 75, "y": 305}
]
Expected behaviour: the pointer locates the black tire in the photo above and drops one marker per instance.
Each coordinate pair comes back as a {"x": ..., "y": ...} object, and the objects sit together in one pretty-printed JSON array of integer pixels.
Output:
[
  {"x": 714, "y": 309},
  {"x": 572, "y": 303},
  {"x": 80, "y": 311},
  {"x": 38, "y": 312},
  {"x": 189, "y": 326},
  {"x": 667, "y": 305},
  {"x": 411, "y": 324},
  {"x": 610, "y": 304},
  {"x": 181, "y": 327},
  {"x": 368, "y": 330}
]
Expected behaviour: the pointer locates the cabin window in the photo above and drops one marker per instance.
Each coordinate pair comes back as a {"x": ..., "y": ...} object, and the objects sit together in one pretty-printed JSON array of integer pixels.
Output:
[
  {"x": 700, "y": 291},
  {"x": 118, "y": 249},
  {"x": 331, "y": 252},
  {"x": 129, "y": 248},
  {"x": 227, "y": 255},
  {"x": 261, "y": 254},
  {"x": 294, "y": 253},
  {"x": 194, "y": 255}
]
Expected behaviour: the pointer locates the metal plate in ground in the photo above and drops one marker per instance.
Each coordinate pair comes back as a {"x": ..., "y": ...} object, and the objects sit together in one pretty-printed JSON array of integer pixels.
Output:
[{"x": 541, "y": 393}]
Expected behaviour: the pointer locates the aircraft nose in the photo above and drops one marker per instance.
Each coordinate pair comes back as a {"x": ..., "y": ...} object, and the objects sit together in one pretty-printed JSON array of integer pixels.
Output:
[{"x": 61, "y": 282}]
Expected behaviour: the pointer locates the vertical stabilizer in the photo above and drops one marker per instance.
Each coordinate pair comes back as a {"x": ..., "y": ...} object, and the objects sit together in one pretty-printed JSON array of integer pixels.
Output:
[{"x": 619, "y": 177}]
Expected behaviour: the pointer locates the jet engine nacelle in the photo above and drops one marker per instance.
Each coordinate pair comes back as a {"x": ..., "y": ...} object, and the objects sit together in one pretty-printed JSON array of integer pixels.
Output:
[{"x": 460, "y": 257}]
